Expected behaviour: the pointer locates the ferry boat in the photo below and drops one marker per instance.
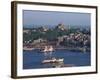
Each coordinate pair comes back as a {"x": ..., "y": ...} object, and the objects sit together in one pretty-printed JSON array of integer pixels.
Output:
[
  {"x": 53, "y": 60},
  {"x": 48, "y": 49}
]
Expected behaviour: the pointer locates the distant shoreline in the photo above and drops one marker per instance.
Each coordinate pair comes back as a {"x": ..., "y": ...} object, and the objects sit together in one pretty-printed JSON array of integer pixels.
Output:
[{"x": 61, "y": 48}]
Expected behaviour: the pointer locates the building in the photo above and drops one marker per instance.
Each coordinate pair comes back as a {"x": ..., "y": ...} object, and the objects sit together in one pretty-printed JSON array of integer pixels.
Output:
[{"x": 60, "y": 26}]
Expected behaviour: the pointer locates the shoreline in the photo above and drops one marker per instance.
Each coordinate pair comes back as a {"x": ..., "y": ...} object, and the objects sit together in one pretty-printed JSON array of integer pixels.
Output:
[{"x": 60, "y": 48}]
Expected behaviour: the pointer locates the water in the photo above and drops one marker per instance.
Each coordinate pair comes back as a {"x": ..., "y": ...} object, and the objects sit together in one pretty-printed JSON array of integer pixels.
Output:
[{"x": 33, "y": 59}]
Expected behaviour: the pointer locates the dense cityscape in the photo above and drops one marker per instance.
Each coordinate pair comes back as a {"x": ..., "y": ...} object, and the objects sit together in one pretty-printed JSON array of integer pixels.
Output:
[{"x": 59, "y": 36}]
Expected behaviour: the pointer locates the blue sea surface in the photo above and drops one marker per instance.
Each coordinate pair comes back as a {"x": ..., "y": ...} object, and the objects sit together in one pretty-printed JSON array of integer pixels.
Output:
[{"x": 33, "y": 59}]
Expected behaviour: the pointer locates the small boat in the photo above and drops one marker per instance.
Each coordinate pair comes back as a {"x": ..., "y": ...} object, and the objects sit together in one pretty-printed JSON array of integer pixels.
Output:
[
  {"x": 48, "y": 49},
  {"x": 53, "y": 60}
]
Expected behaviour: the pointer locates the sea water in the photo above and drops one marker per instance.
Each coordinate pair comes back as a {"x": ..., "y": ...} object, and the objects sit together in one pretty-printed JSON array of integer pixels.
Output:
[{"x": 33, "y": 59}]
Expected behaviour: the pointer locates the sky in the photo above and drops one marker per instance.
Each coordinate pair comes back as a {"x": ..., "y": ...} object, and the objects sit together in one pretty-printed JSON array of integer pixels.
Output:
[{"x": 31, "y": 17}]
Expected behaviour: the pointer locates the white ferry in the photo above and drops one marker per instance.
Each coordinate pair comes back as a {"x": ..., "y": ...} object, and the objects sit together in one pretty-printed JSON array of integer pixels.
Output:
[
  {"x": 53, "y": 60},
  {"x": 48, "y": 49}
]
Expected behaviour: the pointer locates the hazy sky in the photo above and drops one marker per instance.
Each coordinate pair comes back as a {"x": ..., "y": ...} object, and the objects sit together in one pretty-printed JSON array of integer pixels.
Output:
[{"x": 54, "y": 18}]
